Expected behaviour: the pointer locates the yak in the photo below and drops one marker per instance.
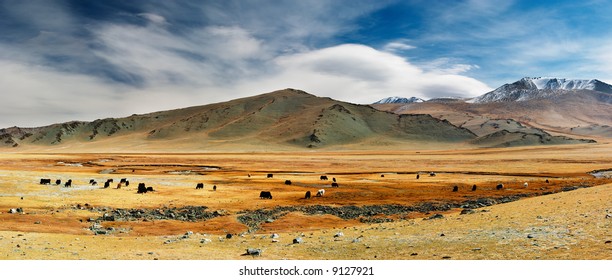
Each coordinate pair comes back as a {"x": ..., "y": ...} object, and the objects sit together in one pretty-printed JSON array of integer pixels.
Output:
[{"x": 265, "y": 195}]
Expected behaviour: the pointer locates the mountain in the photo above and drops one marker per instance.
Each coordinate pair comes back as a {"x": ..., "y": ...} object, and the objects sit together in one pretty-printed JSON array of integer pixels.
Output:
[
  {"x": 530, "y": 106},
  {"x": 281, "y": 120},
  {"x": 537, "y": 88},
  {"x": 397, "y": 99}
]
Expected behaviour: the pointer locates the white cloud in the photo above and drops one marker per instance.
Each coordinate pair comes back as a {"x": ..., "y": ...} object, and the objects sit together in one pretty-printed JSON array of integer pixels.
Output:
[
  {"x": 361, "y": 74},
  {"x": 154, "y": 18},
  {"x": 398, "y": 46}
]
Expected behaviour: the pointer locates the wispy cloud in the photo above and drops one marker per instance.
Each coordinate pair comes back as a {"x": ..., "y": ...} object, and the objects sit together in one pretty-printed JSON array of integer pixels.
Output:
[{"x": 117, "y": 58}]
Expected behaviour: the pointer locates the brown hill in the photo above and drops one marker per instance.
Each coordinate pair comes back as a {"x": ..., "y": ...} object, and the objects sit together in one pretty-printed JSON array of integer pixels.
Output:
[{"x": 280, "y": 120}]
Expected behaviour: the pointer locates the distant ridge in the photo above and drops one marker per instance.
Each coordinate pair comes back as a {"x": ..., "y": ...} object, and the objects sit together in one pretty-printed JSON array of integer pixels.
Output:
[
  {"x": 534, "y": 88},
  {"x": 397, "y": 99}
]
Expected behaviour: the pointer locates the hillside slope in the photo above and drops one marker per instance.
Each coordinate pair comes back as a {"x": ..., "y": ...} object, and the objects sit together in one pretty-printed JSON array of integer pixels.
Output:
[{"x": 285, "y": 119}]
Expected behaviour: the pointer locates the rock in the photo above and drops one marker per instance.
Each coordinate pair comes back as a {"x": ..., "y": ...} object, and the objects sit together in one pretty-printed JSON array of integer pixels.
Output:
[
  {"x": 608, "y": 242},
  {"x": 101, "y": 232},
  {"x": 435, "y": 216},
  {"x": 446, "y": 257},
  {"x": 189, "y": 233},
  {"x": 37, "y": 223},
  {"x": 228, "y": 236},
  {"x": 12, "y": 211},
  {"x": 297, "y": 240},
  {"x": 274, "y": 235},
  {"x": 339, "y": 234},
  {"x": 414, "y": 254},
  {"x": 270, "y": 220},
  {"x": 205, "y": 240},
  {"x": 529, "y": 235},
  {"x": 253, "y": 252},
  {"x": 467, "y": 211}
]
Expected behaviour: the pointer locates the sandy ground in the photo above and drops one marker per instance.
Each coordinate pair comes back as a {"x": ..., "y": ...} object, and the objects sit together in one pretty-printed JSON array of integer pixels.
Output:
[{"x": 559, "y": 225}]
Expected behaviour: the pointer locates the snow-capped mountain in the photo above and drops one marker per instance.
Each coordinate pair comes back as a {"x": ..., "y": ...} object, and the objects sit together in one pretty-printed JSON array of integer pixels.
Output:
[
  {"x": 397, "y": 99},
  {"x": 532, "y": 88}
]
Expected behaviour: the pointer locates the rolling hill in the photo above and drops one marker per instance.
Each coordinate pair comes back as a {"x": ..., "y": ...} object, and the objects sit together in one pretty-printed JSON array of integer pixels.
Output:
[{"x": 281, "y": 120}]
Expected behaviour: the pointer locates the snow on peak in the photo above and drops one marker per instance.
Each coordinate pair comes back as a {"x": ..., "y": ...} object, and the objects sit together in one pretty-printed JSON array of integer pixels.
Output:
[
  {"x": 397, "y": 99},
  {"x": 566, "y": 84},
  {"x": 540, "y": 87}
]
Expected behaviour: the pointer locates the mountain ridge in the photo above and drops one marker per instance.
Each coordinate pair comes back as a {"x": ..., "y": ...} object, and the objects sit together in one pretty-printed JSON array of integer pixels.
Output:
[
  {"x": 286, "y": 119},
  {"x": 537, "y": 88}
]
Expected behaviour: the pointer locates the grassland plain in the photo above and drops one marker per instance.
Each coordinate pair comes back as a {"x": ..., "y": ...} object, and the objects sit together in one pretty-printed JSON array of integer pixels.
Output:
[{"x": 379, "y": 211}]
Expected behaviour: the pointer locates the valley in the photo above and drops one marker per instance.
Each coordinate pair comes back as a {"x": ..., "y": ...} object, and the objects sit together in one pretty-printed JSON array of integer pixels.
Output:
[{"x": 382, "y": 210}]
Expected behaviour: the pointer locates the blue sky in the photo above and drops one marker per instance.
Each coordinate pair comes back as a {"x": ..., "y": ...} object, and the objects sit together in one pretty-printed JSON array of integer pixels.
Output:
[{"x": 82, "y": 60}]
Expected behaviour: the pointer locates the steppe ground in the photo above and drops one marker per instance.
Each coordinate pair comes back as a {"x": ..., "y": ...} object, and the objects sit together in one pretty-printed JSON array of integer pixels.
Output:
[{"x": 548, "y": 222}]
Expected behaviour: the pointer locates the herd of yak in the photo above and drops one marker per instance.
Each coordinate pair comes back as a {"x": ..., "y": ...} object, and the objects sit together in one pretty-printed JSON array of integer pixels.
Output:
[{"x": 263, "y": 194}]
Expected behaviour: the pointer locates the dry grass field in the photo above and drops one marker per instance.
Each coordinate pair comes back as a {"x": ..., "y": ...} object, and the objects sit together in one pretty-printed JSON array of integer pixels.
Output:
[{"x": 381, "y": 210}]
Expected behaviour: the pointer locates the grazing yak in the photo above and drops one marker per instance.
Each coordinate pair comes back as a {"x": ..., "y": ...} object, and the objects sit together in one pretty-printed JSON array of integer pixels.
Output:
[
  {"x": 150, "y": 189},
  {"x": 106, "y": 184},
  {"x": 214, "y": 187},
  {"x": 270, "y": 175},
  {"x": 58, "y": 182},
  {"x": 199, "y": 186},
  {"x": 500, "y": 186},
  {"x": 287, "y": 182},
  {"x": 45, "y": 181},
  {"x": 323, "y": 177},
  {"x": 432, "y": 174},
  {"x": 142, "y": 188},
  {"x": 335, "y": 185},
  {"x": 474, "y": 188},
  {"x": 68, "y": 183},
  {"x": 307, "y": 195},
  {"x": 418, "y": 176},
  {"x": 265, "y": 195},
  {"x": 320, "y": 192},
  {"x": 123, "y": 180},
  {"x": 455, "y": 188}
]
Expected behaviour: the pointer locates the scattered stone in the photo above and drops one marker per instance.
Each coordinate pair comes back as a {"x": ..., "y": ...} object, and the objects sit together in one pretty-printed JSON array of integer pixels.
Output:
[
  {"x": 270, "y": 220},
  {"x": 253, "y": 252},
  {"x": 414, "y": 254},
  {"x": 446, "y": 257},
  {"x": 37, "y": 223},
  {"x": 442, "y": 234},
  {"x": 297, "y": 240},
  {"x": 274, "y": 240},
  {"x": 608, "y": 242},
  {"x": 205, "y": 240},
  {"x": 274, "y": 235},
  {"x": 529, "y": 235},
  {"x": 467, "y": 211},
  {"x": 608, "y": 216},
  {"x": 339, "y": 234},
  {"x": 435, "y": 216},
  {"x": 476, "y": 249}
]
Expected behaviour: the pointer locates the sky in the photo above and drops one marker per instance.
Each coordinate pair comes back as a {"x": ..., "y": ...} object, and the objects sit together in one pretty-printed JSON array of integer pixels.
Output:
[{"x": 64, "y": 60}]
